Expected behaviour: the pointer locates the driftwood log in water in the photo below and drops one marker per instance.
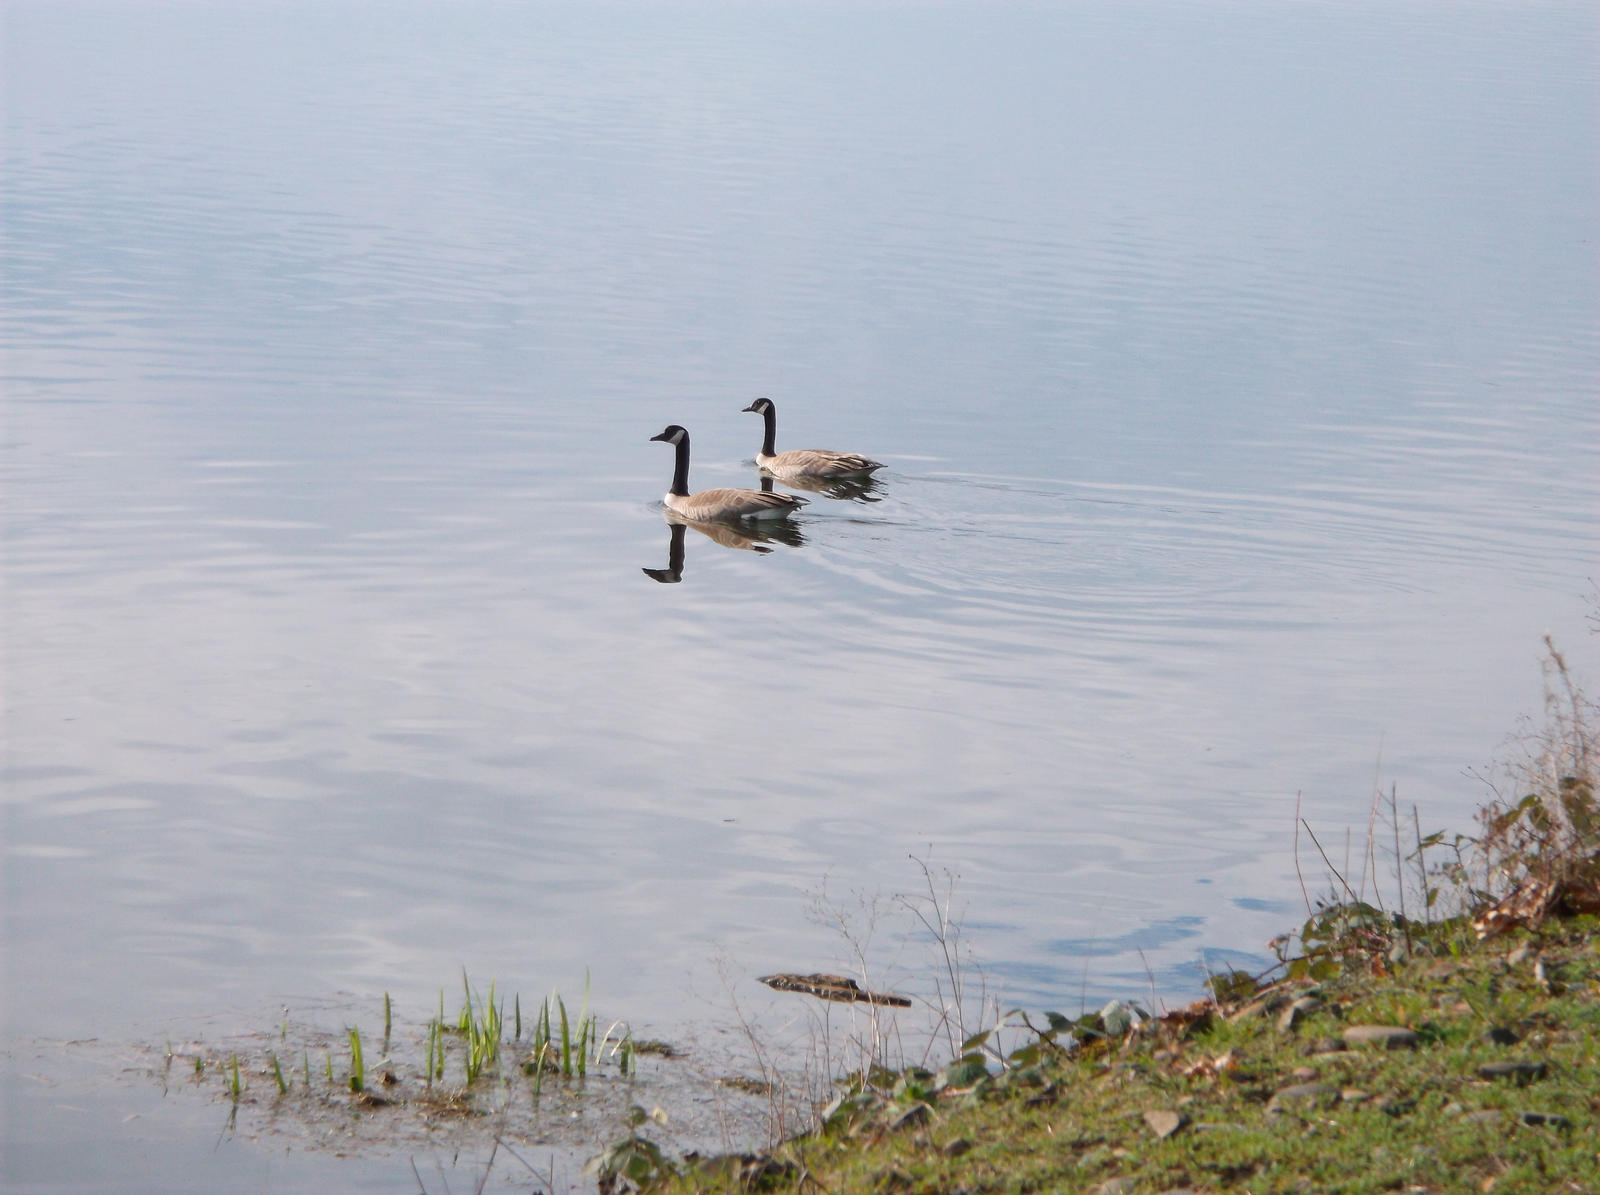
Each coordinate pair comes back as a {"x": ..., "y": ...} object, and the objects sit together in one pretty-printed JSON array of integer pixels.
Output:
[{"x": 832, "y": 987}]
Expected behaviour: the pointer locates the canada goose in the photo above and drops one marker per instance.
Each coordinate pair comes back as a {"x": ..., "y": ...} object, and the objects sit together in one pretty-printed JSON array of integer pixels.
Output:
[
  {"x": 805, "y": 462},
  {"x": 729, "y": 504}
]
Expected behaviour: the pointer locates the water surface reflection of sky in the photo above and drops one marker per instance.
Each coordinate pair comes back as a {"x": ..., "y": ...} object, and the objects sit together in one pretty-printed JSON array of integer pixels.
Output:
[{"x": 1234, "y": 371}]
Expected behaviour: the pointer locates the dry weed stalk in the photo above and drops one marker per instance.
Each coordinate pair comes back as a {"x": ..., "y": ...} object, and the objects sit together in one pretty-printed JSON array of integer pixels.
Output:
[{"x": 959, "y": 1013}]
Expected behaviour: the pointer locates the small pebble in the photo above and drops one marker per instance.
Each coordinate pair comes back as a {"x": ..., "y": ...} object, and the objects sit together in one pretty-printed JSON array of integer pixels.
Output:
[
  {"x": 1548, "y": 1120},
  {"x": 1163, "y": 1122},
  {"x": 1251, "y": 1009},
  {"x": 1297, "y": 1012},
  {"x": 1317, "y": 1093},
  {"x": 1391, "y": 1037},
  {"x": 912, "y": 1116}
]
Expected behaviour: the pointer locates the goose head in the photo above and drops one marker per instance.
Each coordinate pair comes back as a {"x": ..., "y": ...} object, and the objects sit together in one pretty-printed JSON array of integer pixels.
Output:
[
  {"x": 671, "y": 434},
  {"x": 761, "y": 406}
]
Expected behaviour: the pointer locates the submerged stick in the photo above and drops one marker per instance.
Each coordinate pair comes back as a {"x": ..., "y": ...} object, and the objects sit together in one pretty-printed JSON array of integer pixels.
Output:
[{"x": 832, "y": 987}]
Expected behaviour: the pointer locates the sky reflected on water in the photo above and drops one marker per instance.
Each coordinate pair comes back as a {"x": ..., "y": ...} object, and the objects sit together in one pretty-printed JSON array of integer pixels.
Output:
[{"x": 1233, "y": 371}]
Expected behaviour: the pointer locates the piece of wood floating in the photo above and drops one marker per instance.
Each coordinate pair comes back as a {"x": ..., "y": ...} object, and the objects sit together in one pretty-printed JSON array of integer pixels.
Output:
[{"x": 832, "y": 987}]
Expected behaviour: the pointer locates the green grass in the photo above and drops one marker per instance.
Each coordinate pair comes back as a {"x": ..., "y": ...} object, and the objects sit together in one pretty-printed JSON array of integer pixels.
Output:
[
  {"x": 561, "y": 1044},
  {"x": 433, "y": 1061},
  {"x": 624, "y": 1050},
  {"x": 358, "y": 1069},
  {"x": 430, "y": 1075},
  {"x": 480, "y": 1026}
]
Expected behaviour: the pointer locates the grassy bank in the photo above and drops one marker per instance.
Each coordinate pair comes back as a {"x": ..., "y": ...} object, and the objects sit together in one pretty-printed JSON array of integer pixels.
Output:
[
  {"x": 1449, "y": 1041},
  {"x": 1468, "y": 1066}
]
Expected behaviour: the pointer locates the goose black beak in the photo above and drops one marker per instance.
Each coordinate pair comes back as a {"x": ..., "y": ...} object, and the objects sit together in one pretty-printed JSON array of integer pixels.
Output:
[
  {"x": 752, "y": 406},
  {"x": 659, "y": 436}
]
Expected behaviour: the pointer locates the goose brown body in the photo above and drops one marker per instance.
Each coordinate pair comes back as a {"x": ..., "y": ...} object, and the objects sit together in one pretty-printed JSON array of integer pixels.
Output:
[
  {"x": 724, "y": 504},
  {"x": 732, "y": 504},
  {"x": 804, "y": 462}
]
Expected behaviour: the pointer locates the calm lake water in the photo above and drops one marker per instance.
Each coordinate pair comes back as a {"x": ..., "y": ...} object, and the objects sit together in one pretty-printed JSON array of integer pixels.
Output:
[{"x": 1236, "y": 371}]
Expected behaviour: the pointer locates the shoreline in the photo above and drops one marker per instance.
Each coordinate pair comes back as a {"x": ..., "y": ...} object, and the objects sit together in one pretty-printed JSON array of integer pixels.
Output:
[{"x": 1448, "y": 1044}]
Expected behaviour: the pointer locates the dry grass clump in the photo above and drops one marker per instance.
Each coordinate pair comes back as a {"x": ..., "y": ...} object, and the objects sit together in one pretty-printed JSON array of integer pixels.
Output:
[
  {"x": 1536, "y": 858},
  {"x": 1541, "y": 849}
]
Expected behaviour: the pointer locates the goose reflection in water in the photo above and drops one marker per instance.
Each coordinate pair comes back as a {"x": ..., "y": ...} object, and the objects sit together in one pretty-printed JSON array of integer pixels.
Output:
[
  {"x": 861, "y": 488},
  {"x": 751, "y": 537}
]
